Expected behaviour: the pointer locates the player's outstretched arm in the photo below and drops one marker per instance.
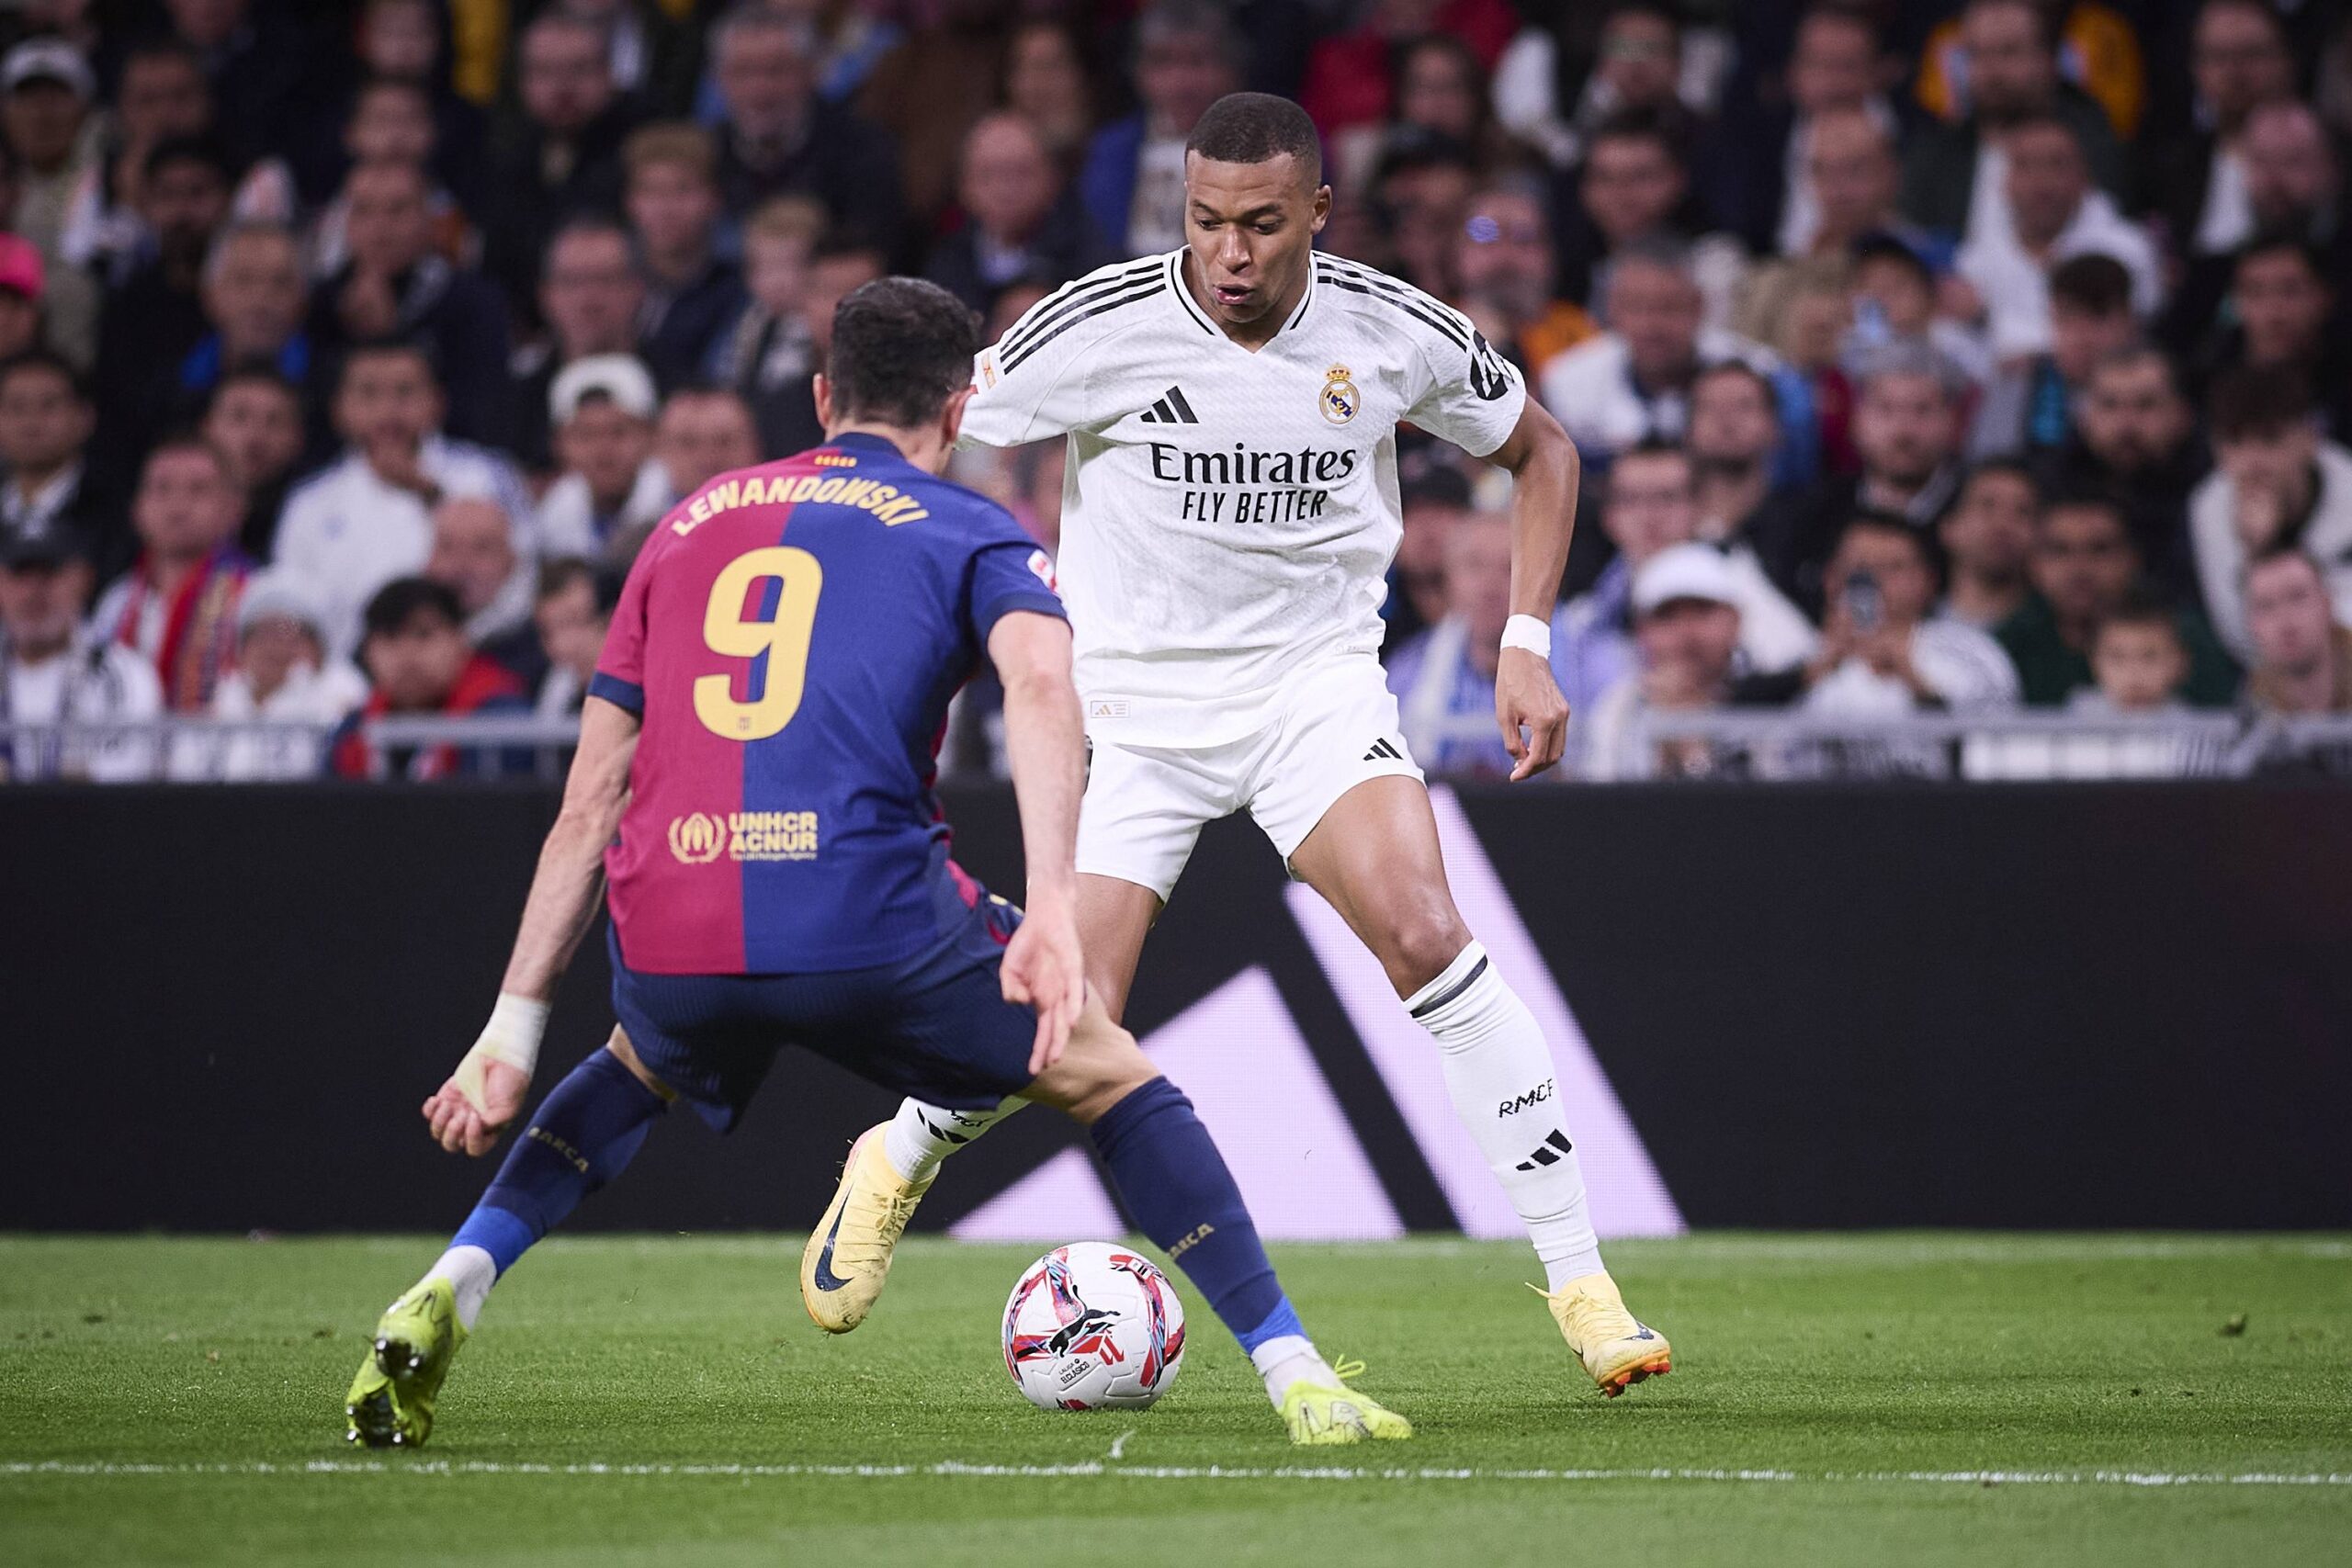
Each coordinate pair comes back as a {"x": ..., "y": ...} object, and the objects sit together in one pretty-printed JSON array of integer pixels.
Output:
[
  {"x": 1544, "y": 468},
  {"x": 486, "y": 1092},
  {"x": 1045, "y": 739}
]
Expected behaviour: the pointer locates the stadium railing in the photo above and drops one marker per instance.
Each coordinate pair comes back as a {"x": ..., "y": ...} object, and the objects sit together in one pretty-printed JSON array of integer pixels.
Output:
[{"x": 1746, "y": 745}]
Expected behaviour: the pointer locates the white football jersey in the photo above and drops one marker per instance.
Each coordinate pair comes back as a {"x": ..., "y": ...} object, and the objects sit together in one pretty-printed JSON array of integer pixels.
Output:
[{"x": 1229, "y": 516}]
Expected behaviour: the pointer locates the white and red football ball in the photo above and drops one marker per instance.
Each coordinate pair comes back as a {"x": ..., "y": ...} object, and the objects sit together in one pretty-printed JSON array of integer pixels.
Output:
[{"x": 1093, "y": 1326}]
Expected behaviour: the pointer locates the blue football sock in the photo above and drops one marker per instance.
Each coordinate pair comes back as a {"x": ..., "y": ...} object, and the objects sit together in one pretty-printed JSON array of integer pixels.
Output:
[
  {"x": 584, "y": 1133},
  {"x": 1174, "y": 1182}
]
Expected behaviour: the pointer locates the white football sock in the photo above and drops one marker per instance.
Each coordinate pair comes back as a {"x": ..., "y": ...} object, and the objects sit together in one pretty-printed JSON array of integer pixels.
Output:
[
  {"x": 1290, "y": 1358},
  {"x": 1499, "y": 1071},
  {"x": 470, "y": 1272},
  {"x": 922, "y": 1135}
]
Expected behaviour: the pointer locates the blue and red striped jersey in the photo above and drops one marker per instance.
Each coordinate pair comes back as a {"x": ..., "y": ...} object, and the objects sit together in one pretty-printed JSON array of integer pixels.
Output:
[{"x": 790, "y": 637}]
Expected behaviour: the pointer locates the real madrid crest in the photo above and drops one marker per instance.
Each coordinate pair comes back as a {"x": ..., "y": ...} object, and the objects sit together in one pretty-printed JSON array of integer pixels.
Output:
[{"x": 1340, "y": 400}]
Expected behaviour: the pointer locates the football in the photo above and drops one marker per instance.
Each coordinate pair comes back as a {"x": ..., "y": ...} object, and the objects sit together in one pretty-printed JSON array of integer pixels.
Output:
[{"x": 1093, "y": 1326}]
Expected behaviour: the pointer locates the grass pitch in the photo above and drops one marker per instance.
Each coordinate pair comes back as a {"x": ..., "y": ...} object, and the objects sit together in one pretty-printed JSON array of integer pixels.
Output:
[{"x": 1921, "y": 1399}]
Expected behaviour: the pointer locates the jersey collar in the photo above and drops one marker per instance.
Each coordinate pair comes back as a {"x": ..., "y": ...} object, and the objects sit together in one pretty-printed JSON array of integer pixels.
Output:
[
  {"x": 865, "y": 441},
  {"x": 1183, "y": 293}
]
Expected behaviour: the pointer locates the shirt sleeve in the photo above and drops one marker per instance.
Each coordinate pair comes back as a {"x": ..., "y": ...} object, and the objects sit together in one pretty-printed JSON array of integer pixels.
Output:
[
  {"x": 1473, "y": 395},
  {"x": 1009, "y": 574},
  {"x": 620, "y": 668},
  {"x": 1031, "y": 383}
]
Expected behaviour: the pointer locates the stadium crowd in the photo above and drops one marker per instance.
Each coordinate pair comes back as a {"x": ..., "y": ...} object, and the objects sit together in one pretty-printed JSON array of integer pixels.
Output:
[{"x": 1923, "y": 358}]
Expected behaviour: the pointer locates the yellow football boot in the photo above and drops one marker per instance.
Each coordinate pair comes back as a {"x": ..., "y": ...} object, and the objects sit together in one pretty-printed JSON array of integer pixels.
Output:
[
  {"x": 391, "y": 1402},
  {"x": 848, "y": 1255},
  {"x": 1320, "y": 1414},
  {"x": 1615, "y": 1347}
]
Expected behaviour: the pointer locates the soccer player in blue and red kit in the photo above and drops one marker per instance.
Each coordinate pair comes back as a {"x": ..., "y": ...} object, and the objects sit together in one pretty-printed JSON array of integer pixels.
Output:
[{"x": 754, "y": 778}]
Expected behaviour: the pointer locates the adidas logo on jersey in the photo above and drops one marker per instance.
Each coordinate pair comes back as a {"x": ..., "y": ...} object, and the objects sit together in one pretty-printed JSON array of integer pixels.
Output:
[
  {"x": 1382, "y": 751},
  {"x": 1172, "y": 409}
]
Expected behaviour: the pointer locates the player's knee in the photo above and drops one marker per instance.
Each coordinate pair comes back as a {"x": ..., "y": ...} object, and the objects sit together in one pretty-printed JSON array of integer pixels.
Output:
[
  {"x": 1417, "y": 943},
  {"x": 1097, "y": 1072}
]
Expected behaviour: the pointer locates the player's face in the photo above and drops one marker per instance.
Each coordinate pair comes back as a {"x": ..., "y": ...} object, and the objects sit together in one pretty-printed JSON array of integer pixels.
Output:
[{"x": 1251, "y": 228}]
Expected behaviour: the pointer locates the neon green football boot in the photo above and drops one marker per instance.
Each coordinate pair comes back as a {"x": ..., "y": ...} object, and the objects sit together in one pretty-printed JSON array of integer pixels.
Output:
[
  {"x": 391, "y": 1402},
  {"x": 1319, "y": 1414}
]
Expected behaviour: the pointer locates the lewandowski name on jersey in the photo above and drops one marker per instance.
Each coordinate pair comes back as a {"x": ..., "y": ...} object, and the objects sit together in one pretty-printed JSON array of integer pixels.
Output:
[{"x": 1230, "y": 515}]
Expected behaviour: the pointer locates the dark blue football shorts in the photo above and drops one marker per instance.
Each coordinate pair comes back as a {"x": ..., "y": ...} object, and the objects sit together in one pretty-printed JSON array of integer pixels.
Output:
[{"x": 935, "y": 1026}]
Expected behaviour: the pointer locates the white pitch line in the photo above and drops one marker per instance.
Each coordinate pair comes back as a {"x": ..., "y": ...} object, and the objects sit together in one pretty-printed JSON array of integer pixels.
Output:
[{"x": 956, "y": 1470}]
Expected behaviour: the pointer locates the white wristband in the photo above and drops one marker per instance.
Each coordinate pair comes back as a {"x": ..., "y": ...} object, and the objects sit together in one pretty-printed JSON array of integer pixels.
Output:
[
  {"x": 1529, "y": 632},
  {"x": 510, "y": 1037}
]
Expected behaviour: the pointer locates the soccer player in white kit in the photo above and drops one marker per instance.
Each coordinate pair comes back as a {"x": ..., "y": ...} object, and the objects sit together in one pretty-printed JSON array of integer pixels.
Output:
[{"x": 1230, "y": 515}]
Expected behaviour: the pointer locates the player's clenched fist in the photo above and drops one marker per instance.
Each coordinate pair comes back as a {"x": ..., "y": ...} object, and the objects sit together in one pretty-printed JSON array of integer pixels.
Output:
[{"x": 1528, "y": 699}]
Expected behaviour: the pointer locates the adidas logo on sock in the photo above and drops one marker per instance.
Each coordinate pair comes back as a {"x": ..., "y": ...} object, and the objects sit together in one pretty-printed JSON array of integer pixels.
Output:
[
  {"x": 1549, "y": 1151},
  {"x": 1172, "y": 409},
  {"x": 1382, "y": 751}
]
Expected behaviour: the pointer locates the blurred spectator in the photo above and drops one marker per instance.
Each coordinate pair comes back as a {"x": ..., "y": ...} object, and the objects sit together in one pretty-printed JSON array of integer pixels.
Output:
[
  {"x": 177, "y": 607},
  {"x": 2135, "y": 438},
  {"x": 283, "y": 676},
  {"x": 1187, "y": 57},
  {"x": 1776, "y": 171},
  {"x": 1634, "y": 187},
  {"x": 1734, "y": 432},
  {"x": 2028, "y": 408},
  {"x": 780, "y": 139},
  {"x": 769, "y": 354},
  {"x": 1019, "y": 222},
  {"x": 2294, "y": 187},
  {"x": 45, "y": 424},
  {"x": 559, "y": 155},
  {"x": 154, "y": 314},
  {"x": 46, "y": 90},
  {"x": 2140, "y": 664},
  {"x": 23, "y": 281},
  {"x": 1883, "y": 650},
  {"x": 418, "y": 664},
  {"x": 591, "y": 297},
  {"x": 702, "y": 433},
  {"x": 255, "y": 420},
  {"x": 1038, "y": 470},
  {"x": 161, "y": 96},
  {"x": 2092, "y": 45},
  {"x": 1955, "y": 175},
  {"x": 1444, "y": 678},
  {"x": 2139, "y": 659},
  {"x": 396, "y": 285},
  {"x": 690, "y": 294},
  {"x": 1044, "y": 83},
  {"x": 1851, "y": 170},
  {"x": 651, "y": 46},
  {"x": 2303, "y": 653},
  {"x": 1505, "y": 266},
  {"x": 2278, "y": 485},
  {"x": 1987, "y": 540},
  {"x": 2054, "y": 216},
  {"x": 253, "y": 302},
  {"x": 1433, "y": 503},
  {"x": 2239, "y": 61},
  {"x": 1637, "y": 65},
  {"x": 271, "y": 67},
  {"x": 1907, "y": 429},
  {"x": 1646, "y": 507},
  {"x": 2084, "y": 569},
  {"x": 52, "y": 671},
  {"x": 1422, "y": 194},
  {"x": 392, "y": 123},
  {"x": 603, "y": 408},
  {"x": 1352, "y": 76},
  {"x": 1686, "y": 612},
  {"x": 2285, "y": 305},
  {"x": 1632, "y": 383},
  {"x": 475, "y": 556},
  {"x": 929, "y": 92},
  {"x": 571, "y": 612},
  {"x": 365, "y": 519},
  {"x": 400, "y": 41},
  {"x": 1440, "y": 98},
  {"x": 1895, "y": 301}
]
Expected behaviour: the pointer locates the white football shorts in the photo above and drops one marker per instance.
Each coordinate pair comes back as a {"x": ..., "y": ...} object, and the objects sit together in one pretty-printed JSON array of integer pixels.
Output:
[{"x": 1331, "y": 729}]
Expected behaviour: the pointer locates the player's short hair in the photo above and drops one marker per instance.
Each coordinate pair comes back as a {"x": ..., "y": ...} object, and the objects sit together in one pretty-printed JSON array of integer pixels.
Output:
[
  {"x": 1254, "y": 128},
  {"x": 402, "y": 599},
  {"x": 2095, "y": 283},
  {"x": 901, "y": 348},
  {"x": 2255, "y": 402}
]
